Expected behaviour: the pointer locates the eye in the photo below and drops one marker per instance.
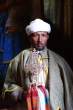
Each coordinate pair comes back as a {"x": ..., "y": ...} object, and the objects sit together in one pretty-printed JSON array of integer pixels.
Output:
[
  {"x": 34, "y": 34},
  {"x": 43, "y": 35}
]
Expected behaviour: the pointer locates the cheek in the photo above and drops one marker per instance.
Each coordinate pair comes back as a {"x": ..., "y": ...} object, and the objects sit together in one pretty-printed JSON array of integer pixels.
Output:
[
  {"x": 45, "y": 40},
  {"x": 34, "y": 41}
]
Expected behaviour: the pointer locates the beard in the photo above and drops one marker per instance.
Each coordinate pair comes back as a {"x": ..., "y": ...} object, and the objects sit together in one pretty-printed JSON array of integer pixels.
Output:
[{"x": 39, "y": 47}]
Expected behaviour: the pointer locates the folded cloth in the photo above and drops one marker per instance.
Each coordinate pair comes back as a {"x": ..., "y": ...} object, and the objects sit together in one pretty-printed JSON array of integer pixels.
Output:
[
  {"x": 38, "y": 25},
  {"x": 37, "y": 98}
]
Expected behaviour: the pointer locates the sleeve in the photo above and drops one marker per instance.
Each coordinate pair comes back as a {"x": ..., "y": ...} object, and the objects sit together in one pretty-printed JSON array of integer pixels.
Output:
[
  {"x": 68, "y": 82},
  {"x": 11, "y": 87}
]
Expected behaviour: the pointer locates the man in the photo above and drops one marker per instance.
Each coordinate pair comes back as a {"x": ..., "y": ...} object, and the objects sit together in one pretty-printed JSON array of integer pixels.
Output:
[{"x": 38, "y": 76}]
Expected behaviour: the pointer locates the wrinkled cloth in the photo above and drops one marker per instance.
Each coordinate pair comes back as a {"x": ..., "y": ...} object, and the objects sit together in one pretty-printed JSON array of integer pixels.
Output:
[
  {"x": 38, "y": 25},
  {"x": 37, "y": 98},
  {"x": 59, "y": 81}
]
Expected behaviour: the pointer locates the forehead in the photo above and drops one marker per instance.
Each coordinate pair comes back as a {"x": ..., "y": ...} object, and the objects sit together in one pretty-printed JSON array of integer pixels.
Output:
[{"x": 40, "y": 32}]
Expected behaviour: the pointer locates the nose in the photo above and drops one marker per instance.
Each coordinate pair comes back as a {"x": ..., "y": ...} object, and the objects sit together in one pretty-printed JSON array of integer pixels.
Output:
[{"x": 39, "y": 38}]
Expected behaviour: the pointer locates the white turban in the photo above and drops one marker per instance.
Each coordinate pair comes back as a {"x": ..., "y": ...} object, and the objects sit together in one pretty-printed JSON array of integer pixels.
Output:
[{"x": 37, "y": 25}]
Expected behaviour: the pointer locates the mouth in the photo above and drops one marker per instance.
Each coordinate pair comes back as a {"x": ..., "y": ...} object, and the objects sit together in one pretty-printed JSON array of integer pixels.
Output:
[{"x": 39, "y": 46}]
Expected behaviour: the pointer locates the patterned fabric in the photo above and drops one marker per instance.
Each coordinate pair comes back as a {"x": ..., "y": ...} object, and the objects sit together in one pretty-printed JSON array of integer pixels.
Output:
[
  {"x": 45, "y": 61},
  {"x": 32, "y": 98}
]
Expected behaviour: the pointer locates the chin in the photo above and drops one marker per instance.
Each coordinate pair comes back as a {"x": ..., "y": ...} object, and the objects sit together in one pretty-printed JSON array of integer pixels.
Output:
[{"x": 40, "y": 48}]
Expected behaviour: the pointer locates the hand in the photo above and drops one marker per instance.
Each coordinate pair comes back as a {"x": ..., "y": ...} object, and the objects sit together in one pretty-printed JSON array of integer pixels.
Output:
[{"x": 17, "y": 95}]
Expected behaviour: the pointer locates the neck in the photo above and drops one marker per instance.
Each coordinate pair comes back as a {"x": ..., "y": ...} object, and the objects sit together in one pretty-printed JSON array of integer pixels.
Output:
[{"x": 39, "y": 49}]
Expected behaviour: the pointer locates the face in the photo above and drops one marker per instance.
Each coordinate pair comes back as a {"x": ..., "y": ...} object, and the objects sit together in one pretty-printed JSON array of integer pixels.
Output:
[{"x": 39, "y": 40}]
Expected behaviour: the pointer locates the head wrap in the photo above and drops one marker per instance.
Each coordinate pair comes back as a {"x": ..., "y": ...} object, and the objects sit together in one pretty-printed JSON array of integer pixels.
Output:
[{"x": 37, "y": 25}]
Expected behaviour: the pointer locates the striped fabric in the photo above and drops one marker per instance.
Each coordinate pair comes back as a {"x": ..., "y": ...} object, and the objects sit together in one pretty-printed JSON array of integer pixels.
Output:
[{"x": 33, "y": 101}]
